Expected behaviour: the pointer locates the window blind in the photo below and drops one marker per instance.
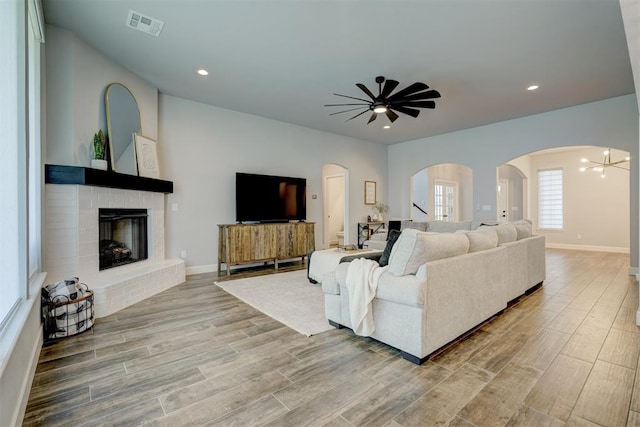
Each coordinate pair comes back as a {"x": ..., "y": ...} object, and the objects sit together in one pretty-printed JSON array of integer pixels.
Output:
[{"x": 550, "y": 212}]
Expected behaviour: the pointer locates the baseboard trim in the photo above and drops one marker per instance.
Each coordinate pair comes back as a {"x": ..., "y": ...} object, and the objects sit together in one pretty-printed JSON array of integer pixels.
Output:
[
  {"x": 199, "y": 269},
  {"x": 591, "y": 248},
  {"x": 634, "y": 271},
  {"x": 26, "y": 387}
]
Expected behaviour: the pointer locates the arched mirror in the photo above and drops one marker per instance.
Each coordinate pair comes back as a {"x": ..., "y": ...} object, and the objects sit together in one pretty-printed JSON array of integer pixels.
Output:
[{"x": 123, "y": 120}]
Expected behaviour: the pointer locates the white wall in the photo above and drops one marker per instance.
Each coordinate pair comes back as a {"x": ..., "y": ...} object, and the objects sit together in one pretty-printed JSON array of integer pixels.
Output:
[
  {"x": 420, "y": 185},
  {"x": 595, "y": 208},
  {"x": 614, "y": 121},
  {"x": 77, "y": 76},
  {"x": 201, "y": 147}
]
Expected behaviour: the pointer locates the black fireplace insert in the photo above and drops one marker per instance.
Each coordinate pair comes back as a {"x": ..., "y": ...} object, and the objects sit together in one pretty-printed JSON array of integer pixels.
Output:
[{"x": 123, "y": 236}]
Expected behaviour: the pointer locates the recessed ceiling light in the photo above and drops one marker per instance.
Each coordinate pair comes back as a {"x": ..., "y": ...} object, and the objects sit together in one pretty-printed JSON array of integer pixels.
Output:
[
  {"x": 203, "y": 72},
  {"x": 386, "y": 127},
  {"x": 533, "y": 87}
]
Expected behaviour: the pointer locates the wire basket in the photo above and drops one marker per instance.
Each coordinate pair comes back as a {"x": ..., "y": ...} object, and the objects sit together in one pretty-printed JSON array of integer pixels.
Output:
[{"x": 63, "y": 317}]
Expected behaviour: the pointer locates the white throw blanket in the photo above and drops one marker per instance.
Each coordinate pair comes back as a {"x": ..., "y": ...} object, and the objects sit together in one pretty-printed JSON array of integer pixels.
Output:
[{"x": 362, "y": 284}]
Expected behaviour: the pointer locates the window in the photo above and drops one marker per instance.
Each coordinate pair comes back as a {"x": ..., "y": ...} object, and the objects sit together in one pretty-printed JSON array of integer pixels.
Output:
[
  {"x": 550, "y": 199},
  {"x": 20, "y": 154}
]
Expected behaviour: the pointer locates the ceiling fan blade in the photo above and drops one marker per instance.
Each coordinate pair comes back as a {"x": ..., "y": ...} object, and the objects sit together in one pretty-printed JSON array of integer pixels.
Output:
[
  {"x": 345, "y": 111},
  {"x": 409, "y": 111},
  {"x": 353, "y": 97},
  {"x": 357, "y": 115},
  {"x": 416, "y": 87},
  {"x": 416, "y": 104},
  {"x": 342, "y": 105},
  {"x": 389, "y": 86},
  {"x": 372, "y": 118},
  {"x": 430, "y": 94},
  {"x": 365, "y": 90},
  {"x": 391, "y": 115}
]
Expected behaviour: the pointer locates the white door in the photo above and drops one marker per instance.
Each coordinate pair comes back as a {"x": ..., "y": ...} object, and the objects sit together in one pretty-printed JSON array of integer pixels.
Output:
[
  {"x": 503, "y": 200},
  {"x": 445, "y": 206},
  {"x": 334, "y": 197}
]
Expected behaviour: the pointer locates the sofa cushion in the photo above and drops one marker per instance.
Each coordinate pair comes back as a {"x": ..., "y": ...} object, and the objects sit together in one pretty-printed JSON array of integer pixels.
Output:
[
  {"x": 448, "y": 227},
  {"x": 393, "y": 237},
  {"x": 416, "y": 225},
  {"x": 413, "y": 248},
  {"x": 482, "y": 239},
  {"x": 506, "y": 232},
  {"x": 523, "y": 229}
]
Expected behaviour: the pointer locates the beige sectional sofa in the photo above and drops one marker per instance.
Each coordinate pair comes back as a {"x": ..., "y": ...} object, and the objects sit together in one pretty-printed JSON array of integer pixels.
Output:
[{"x": 440, "y": 285}]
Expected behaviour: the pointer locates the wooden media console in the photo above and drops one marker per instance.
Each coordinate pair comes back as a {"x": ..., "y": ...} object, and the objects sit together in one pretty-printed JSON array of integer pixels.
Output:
[{"x": 249, "y": 243}]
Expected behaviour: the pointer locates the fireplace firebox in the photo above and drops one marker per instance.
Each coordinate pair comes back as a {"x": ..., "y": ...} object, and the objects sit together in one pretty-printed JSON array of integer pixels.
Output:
[{"x": 122, "y": 236}]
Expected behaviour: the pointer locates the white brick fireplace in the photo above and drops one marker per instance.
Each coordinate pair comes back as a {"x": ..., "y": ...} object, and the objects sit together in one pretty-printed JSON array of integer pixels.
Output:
[{"x": 71, "y": 233}]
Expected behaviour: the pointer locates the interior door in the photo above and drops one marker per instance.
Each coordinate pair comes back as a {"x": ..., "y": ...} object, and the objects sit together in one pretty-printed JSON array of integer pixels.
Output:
[
  {"x": 503, "y": 200},
  {"x": 445, "y": 207}
]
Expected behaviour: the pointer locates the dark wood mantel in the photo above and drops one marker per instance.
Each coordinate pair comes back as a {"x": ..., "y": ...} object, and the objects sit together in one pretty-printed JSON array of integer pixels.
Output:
[{"x": 78, "y": 175}]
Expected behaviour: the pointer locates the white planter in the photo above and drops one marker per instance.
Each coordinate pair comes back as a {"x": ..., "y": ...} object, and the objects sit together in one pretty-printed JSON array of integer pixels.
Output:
[{"x": 99, "y": 164}]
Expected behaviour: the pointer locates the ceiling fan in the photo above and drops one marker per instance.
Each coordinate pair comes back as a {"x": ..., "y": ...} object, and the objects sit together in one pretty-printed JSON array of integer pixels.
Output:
[{"x": 404, "y": 101}]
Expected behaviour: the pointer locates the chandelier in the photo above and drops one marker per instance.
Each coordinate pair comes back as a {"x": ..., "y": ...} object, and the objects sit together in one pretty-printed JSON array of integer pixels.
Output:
[{"x": 606, "y": 163}]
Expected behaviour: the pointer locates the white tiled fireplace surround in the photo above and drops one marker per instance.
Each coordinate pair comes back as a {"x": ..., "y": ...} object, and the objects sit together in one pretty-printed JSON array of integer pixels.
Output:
[{"x": 71, "y": 232}]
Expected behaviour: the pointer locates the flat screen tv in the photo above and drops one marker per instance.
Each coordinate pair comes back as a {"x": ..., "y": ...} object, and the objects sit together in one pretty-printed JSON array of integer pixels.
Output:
[{"x": 268, "y": 198}]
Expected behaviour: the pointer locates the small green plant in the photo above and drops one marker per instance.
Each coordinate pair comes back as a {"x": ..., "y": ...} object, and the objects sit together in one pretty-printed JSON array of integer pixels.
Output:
[{"x": 98, "y": 145}]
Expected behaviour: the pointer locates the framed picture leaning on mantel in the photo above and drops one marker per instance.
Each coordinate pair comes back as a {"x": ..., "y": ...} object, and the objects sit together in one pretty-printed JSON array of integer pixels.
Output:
[
  {"x": 369, "y": 192},
  {"x": 147, "y": 156}
]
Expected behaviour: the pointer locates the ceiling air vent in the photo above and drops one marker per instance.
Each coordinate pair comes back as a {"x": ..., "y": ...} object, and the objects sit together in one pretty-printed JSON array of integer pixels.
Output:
[{"x": 144, "y": 23}]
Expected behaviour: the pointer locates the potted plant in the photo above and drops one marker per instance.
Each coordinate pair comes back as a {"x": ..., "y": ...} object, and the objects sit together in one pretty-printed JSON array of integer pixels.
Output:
[
  {"x": 379, "y": 211},
  {"x": 98, "y": 161}
]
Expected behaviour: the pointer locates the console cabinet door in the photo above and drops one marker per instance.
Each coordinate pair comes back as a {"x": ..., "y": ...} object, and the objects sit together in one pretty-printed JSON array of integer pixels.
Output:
[
  {"x": 247, "y": 243},
  {"x": 263, "y": 241},
  {"x": 295, "y": 239}
]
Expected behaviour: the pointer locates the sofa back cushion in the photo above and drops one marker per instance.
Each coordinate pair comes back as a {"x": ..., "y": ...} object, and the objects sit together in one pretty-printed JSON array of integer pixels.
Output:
[
  {"x": 506, "y": 232},
  {"x": 482, "y": 239},
  {"x": 416, "y": 225},
  {"x": 523, "y": 229},
  {"x": 448, "y": 227},
  {"x": 413, "y": 248}
]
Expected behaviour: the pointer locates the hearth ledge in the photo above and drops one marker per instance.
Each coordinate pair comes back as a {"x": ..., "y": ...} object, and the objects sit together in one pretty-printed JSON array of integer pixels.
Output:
[{"x": 127, "y": 285}]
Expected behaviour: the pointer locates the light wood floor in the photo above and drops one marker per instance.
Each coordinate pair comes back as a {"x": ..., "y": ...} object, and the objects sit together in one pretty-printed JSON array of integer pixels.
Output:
[{"x": 194, "y": 355}]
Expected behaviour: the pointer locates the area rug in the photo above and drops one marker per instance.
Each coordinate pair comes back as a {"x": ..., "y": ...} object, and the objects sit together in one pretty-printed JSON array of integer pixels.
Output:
[{"x": 287, "y": 297}]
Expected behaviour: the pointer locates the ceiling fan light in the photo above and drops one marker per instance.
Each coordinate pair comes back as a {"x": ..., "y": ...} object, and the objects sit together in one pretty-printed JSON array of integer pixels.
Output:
[
  {"x": 583, "y": 160},
  {"x": 380, "y": 109},
  {"x": 583, "y": 169},
  {"x": 605, "y": 152}
]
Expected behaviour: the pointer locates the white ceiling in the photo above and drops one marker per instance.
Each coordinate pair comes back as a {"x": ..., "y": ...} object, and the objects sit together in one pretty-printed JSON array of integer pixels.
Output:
[{"x": 284, "y": 59}]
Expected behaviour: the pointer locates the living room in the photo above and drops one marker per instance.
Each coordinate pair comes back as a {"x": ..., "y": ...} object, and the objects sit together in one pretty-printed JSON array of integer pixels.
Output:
[{"x": 202, "y": 146}]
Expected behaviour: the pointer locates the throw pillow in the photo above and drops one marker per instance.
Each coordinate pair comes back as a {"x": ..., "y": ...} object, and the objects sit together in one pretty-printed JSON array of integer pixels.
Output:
[{"x": 391, "y": 240}]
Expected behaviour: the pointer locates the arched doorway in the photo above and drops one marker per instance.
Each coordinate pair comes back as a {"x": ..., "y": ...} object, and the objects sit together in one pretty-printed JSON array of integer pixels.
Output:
[
  {"x": 335, "y": 206},
  {"x": 442, "y": 192},
  {"x": 511, "y": 193}
]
